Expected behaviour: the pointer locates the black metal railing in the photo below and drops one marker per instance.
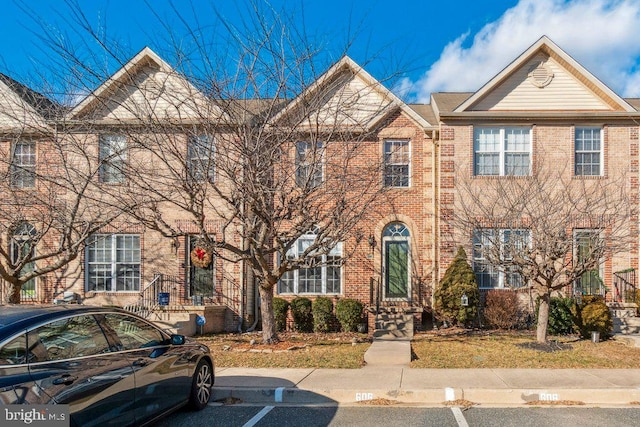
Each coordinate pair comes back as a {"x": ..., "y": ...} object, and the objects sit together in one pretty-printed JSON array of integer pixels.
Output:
[
  {"x": 625, "y": 286},
  {"x": 163, "y": 290}
]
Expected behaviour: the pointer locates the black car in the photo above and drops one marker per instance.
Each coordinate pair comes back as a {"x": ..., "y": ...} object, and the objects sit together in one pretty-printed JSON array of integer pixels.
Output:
[{"x": 111, "y": 367}]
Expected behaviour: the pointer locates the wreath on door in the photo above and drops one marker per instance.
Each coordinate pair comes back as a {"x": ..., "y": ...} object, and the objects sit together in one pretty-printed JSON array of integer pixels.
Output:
[{"x": 201, "y": 257}]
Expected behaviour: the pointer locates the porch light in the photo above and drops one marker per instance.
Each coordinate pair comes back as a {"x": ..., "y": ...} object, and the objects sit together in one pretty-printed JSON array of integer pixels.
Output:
[
  {"x": 464, "y": 300},
  {"x": 372, "y": 241}
]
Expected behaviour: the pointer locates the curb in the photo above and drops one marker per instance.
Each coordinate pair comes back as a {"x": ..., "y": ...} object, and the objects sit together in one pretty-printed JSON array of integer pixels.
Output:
[{"x": 430, "y": 397}]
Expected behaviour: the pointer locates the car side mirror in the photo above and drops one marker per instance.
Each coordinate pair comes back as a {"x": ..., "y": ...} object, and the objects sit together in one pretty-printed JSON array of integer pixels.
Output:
[{"x": 177, "y": 339}]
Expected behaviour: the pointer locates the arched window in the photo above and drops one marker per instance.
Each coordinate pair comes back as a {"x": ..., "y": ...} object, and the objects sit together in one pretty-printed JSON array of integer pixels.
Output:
[{"x": 396, "y": 258}]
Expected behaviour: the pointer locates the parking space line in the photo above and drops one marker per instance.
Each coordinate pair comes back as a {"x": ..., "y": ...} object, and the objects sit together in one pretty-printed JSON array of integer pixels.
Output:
[
  {"x": 257, "y": 417},
  {"x": 460, "y": 419}
]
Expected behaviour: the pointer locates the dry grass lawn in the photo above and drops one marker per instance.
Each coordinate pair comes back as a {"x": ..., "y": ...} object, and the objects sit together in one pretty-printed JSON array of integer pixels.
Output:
[
  {"x": 295, "y": 350},
  {"x": 517, "y": 350},
  {"x": 437, "y": 349}
]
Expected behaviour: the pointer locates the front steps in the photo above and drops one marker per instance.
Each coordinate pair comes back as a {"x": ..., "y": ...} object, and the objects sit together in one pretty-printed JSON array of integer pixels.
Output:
[
  {"x": 625, "y": 320},
  {"x": 393, "y": 326}
]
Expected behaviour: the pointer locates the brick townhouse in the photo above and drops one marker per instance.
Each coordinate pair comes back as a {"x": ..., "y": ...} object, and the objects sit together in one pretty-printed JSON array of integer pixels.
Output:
[{"x": 553, "y": 108}]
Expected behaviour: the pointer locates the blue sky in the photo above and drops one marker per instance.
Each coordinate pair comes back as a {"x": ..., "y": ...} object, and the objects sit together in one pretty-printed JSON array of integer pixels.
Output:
[{"x": 439, "y": 45}]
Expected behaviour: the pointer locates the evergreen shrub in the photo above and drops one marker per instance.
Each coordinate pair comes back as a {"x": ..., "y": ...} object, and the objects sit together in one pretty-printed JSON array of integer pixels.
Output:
[
  {"x": 302, "y": 314},
  {"x": 280, "y": 311},
  {"x": 458, "y": 280},
  {"x": 349, "y": 314},
  {"x": 593, "y": 315},
  {"x": 561, "y": 319},
  {"x": 322, "y": 314}
]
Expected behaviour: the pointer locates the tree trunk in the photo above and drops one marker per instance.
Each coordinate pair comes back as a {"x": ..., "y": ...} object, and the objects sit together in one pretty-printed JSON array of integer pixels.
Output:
[
  {"x": 543, "y": 317},
  {"x": 269, "y": 333},
  {"x": 13, "y": 295}
]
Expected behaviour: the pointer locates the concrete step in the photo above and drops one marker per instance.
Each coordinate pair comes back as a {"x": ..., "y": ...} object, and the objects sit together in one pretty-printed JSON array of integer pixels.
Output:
[
  {"x": 626, "y": 325},
  {"x": 624, "y": 312},
  {"x": 178, "y": 323},
  {"x": 393, "y": 326}
]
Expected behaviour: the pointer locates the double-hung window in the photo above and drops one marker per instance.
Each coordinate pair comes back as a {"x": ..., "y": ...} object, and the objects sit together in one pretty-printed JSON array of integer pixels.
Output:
[
  {"x": 588, "y": 151},
  {"x": 113, "y": 158},
  {"x": 500, "y": 151},
  {"x": 397, "y": 162},
  {"x": 113, "y": 263},
  {"x": 309, "y": 164},
  {"x": 201, "y": 155},
  {"x": 493, "y": 253},
  {"x": 23, "y": 165},
  {"x": 322, "y": 274}
]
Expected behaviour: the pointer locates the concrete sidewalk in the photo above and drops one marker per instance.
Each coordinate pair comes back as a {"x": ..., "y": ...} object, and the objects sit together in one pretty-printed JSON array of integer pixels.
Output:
[{"x": 428, "y": 387}]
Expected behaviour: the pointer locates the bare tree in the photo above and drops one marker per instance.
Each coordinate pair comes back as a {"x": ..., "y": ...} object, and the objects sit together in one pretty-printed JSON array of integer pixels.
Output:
[
  {"x": 49, "y": 207},
  {"x": 253, "y": 145},
  {"x": 547, "y": 231}
]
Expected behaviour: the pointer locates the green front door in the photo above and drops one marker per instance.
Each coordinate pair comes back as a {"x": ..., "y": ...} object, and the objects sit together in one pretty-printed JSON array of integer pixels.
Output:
[{"x": 396, "y": 269}]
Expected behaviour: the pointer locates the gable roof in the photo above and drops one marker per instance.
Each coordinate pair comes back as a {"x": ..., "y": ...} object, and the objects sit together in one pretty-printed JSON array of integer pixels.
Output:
[
  {"x": 39, "y": 102},
  {"x": 23, "y": 110},
  {"x": 583, "y": 79},
  {"x": 366, "y": 87},
  {"x": 127, "y": 74}
]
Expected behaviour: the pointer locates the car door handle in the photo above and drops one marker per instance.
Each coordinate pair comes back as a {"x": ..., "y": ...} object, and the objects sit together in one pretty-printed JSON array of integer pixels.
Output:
[
  {"x": 140, "y": 362},
  {"x": 64, "y": 379}
]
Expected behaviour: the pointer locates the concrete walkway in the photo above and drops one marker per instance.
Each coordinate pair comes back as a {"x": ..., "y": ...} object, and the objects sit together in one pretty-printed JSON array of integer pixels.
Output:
[
  {"x": 387, "y": 376},
  {"x": 429, "y": 387}
]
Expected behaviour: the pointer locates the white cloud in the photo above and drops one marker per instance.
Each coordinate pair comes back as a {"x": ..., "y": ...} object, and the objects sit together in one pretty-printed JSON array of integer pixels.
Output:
[{"x": 602, "y": 35}]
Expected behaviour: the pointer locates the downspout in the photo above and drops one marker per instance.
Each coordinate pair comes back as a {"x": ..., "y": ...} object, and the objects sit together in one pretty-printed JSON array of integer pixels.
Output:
[{"x": 436, "y": 217}]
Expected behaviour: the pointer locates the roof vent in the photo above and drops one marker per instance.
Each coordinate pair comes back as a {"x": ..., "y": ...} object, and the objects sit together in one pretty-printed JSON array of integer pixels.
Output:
[{"x": 540, "y": 75}]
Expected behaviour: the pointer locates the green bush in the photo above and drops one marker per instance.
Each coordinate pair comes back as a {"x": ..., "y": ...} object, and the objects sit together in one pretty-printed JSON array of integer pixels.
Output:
[
  {"x": 322, "y": 314},
  {"x": 349, "y": 314},
  {"x": 280, "y": 310},
  {"x": 501, "y": 309},
  {"x": 302, "y": 314},
  {"x": 561, "y": 316},
  {"x": 458, "y": 280},
  {"x": 593, "y": 315}
]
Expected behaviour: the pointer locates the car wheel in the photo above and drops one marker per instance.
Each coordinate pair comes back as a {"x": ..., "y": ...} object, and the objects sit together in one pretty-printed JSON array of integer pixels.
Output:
[{"x": 201, "y": 385}]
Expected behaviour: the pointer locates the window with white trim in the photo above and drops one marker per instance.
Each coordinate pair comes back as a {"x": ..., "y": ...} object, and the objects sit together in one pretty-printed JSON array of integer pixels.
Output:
[
  {"x": 588, "y": 151},
  {"x": 397, "y": 163},
  {"x": 113, "y": 263},
  {"x": 201, "y": 155},
  {"x": 309, "y": 164},
  {"x": 501, "y": 151},
  {"x": 113, "y": 158},
  {"x": 23, "y": 165},
  {"x": 321, "y": 275},
  {"x": 492, "y": 274}
]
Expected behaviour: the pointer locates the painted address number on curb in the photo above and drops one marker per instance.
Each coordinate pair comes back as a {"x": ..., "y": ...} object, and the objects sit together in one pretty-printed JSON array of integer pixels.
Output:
[
  {"x": 549, "y": 397},
  {"x": 363, "y": 396}
]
